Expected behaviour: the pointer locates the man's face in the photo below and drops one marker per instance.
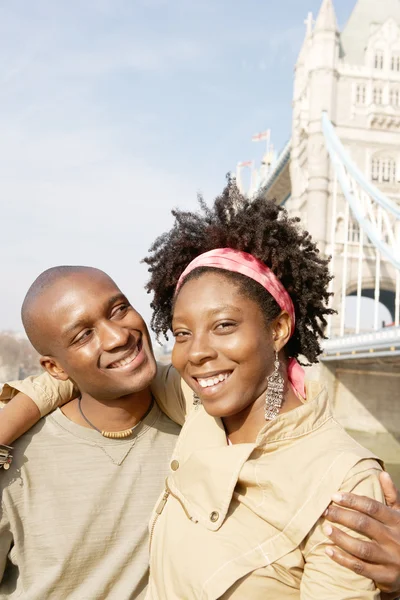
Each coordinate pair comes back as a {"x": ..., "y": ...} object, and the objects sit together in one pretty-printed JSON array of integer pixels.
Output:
[{"x": 96, "y": 336}]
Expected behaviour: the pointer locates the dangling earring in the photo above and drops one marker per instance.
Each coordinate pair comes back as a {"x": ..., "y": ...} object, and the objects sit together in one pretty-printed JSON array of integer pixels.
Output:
[
  {"x": 274, "y": 395},
  {"x": 196, "y": 400}
]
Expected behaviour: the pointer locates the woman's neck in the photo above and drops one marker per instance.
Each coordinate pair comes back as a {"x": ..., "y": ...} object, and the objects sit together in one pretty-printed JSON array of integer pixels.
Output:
[{"x": 245, "y": 426}]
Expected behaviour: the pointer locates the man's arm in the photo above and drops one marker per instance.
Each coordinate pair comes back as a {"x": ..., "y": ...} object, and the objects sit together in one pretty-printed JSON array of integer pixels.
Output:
[
  {"x": 323, "y": 578},
  {"x": 173, "y": 395},
  {"x": 6, "y": 540},
  {"x": 28, "y": 400},
  {"x": 379, "y": 557}
]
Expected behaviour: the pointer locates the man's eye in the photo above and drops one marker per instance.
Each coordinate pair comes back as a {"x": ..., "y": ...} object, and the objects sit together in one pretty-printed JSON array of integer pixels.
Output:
[
  {"x": 83, "y": 336},
  {"x": 121, "y": 309}
]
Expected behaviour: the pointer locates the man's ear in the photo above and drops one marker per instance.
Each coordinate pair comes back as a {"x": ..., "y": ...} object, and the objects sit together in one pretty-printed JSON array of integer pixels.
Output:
[{"x": 53, "y": 367}]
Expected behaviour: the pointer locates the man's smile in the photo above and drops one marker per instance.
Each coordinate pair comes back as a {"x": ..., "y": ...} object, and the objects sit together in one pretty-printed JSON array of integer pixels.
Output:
[{"x": 130, "y": 360}]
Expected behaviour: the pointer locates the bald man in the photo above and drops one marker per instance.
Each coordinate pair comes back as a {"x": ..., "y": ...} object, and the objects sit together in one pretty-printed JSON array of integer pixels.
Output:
[{"x": 76, "y": 504}]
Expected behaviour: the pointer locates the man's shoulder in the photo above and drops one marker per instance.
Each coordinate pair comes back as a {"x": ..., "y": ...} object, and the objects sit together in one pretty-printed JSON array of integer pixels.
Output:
[
  {"x": 38, "y": 439},
  {"x": 32, "y": 449},
  {"x": 165, "y": 424},
  {"x": 172, "y": 394}
]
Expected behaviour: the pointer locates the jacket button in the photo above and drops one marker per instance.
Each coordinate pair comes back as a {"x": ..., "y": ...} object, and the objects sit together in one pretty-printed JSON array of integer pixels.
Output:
[
  {"x": 214, "y": 516},
  {"x": 175, "y": 465}
]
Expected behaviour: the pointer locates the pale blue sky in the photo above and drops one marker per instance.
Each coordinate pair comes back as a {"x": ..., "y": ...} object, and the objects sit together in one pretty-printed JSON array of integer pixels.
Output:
[{"x": 114, "y": 111}]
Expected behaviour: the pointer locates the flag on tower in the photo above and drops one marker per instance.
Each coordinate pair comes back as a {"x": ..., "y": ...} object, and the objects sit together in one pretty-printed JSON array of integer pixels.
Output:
[
  {"x": 259, "y": 137},
  {"x": 246, "y": 163}
]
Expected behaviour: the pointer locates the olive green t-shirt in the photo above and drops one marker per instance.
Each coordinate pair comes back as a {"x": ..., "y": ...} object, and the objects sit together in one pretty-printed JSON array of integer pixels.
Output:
[{"x": 75, "y": 508}]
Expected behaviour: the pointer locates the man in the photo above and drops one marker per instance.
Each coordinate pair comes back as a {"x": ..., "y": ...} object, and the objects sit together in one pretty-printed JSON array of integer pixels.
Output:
[{"x": 77, "y": 500}]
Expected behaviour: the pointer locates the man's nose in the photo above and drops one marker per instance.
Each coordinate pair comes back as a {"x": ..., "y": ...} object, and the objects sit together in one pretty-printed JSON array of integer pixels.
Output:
[{"x": 113, "y": 336}]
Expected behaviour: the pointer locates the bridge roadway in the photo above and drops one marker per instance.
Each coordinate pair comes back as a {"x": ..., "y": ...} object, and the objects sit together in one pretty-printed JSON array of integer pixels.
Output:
[{"x": 384, "y": 343}]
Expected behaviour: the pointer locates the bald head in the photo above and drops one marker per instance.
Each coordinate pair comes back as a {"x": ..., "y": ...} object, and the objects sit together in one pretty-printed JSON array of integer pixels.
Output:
[{"x": 40, "y": 296}]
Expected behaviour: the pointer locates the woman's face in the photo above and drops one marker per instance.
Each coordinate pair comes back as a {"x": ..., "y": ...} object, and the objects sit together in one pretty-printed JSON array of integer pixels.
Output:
[{"x": 223, "y": 348}]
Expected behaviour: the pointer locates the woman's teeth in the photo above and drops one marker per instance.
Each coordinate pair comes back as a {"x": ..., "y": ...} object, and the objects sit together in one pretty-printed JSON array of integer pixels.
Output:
[{"x": 213, "y": 380}]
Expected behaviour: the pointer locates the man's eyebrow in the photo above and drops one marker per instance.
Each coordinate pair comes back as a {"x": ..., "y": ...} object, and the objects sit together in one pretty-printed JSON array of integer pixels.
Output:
[
  {"x": 115, "y": 298},
  {"x": 75, "y": 326},
  {"x": 83, "y": 321}
]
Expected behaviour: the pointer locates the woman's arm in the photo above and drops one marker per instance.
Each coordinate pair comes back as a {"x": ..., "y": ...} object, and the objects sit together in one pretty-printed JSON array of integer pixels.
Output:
[
  {"x": 379, "y": 557},
  {"x": 28, "y": 400}
]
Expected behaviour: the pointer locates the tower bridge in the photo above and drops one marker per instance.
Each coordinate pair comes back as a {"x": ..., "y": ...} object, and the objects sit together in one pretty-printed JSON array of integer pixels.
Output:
[{"x": 340, "y": 173}]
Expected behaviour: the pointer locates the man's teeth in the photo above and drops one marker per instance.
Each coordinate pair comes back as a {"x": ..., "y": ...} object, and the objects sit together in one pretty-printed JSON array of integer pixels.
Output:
[
  {"x": 213, "y": 380},
  {"x": 125, "y": 361}
]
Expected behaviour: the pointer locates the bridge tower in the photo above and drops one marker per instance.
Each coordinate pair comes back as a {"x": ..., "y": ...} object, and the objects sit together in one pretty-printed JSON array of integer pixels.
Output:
[
  {"x": 315, "y": 91},
  {"x": 355, "y": 77},
  {"x": 351, "y": 79}
]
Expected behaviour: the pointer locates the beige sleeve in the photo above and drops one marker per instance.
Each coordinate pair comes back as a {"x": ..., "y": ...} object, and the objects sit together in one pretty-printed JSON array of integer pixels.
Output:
[
  {"x": 46, "y": 392},
  {"x": 6, "y": 540},
  {"x": 173, "y": 395},
  {"x": 323, "y": 578}
]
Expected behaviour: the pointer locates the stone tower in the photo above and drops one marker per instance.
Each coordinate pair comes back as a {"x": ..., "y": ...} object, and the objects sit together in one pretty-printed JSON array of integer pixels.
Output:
[
  {"x": 315, "y": 90},
  {"x": 354, "y": 76}
]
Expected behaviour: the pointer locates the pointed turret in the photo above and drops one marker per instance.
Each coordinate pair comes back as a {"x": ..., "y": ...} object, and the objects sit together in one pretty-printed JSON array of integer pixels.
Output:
[
  {"x": 323, "y": 81},
  {"x": 326, "y": 20},
  {"x": 303, "y": 54},
  {"x": 301, "y": 59}
]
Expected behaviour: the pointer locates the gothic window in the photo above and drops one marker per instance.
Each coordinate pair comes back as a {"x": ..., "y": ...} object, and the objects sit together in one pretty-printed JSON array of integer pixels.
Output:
[
  {"x": 375, "y": 169},
  {"x": 378, "y": 95},
  {"x": 360, "y": 94},
  {"x": 395, "y": 62},
  {"x": 353, "y": 233},
  {"x": 378, "y": 59},
  {"x": 383, "y": 170},
  {"x": 395, "y": 97}
]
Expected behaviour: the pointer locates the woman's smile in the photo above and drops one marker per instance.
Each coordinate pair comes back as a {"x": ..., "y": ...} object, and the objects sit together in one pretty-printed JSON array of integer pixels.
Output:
[{"x": 210, "y": 384}]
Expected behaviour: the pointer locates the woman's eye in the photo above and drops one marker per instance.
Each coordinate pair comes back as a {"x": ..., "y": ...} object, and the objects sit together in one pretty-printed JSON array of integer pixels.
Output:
[
  {"x": 226, "y": 325},
  {"x": 179, "y": 334}
]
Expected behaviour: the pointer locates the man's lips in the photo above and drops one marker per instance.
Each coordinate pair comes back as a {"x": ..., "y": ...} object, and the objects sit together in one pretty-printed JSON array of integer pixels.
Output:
[{"x": 127, "y": 358}]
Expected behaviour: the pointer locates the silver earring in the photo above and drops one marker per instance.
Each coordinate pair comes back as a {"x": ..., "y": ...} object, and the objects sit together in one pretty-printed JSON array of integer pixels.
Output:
[
  {"x": 274, "y": 395},
  {"x": 196, "y": 400}
]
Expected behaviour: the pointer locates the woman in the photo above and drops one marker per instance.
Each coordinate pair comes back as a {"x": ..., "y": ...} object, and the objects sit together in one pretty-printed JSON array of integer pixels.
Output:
[
  {"x": 244, "y": 292},
  {"x": 233, "y": 222}
]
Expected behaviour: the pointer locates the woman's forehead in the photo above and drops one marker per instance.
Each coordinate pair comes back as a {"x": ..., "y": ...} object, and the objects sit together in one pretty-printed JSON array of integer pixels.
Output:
[{"x": 210, "y": 293}]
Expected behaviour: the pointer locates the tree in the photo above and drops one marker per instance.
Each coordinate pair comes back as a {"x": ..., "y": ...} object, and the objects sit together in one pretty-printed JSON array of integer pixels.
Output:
[{"x": 18, "y": 358}]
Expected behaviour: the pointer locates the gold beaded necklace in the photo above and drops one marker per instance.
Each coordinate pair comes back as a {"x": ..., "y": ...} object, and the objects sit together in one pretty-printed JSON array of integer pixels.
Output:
[{"x": 115, "y": 435}]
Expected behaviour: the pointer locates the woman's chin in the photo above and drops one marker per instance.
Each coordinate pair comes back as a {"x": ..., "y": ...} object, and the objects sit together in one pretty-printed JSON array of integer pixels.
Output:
[{"x": 220, "y": 410}]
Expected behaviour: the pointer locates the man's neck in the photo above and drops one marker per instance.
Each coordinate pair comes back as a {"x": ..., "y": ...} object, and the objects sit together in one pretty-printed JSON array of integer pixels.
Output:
[{"x": 111, "y": 415}]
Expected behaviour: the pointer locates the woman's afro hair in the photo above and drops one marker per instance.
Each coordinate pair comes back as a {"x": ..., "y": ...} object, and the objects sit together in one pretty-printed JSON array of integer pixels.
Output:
[{"x": 263, "y": 229}]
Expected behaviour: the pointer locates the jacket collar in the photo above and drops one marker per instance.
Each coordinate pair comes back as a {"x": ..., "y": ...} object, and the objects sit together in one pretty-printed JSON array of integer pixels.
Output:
[
  {"x": 313, "y": 413},
  {"x": 206, "y": 493}
]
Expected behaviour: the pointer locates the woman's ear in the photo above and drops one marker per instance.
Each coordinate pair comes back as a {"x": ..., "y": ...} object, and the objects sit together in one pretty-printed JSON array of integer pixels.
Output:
[
  {"x": 282, "y": 330},
  {"x": 54, "y": 369}
]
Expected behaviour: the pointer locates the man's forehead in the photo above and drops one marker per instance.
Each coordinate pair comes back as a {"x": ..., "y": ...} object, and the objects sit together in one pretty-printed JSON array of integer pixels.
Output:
[{"x": 82, "y": 297}]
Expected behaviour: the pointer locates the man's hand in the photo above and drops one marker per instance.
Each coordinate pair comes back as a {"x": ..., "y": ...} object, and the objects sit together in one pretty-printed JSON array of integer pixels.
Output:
[{"x": 379, "y": 558}]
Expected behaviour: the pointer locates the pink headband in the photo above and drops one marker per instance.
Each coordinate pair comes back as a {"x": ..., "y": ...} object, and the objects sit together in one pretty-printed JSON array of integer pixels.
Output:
[{"x": 247, "y": 264}]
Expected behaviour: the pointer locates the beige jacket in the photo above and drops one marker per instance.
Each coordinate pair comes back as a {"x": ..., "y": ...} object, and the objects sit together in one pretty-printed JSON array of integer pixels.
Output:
[{"x": 244, "y": 521}]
